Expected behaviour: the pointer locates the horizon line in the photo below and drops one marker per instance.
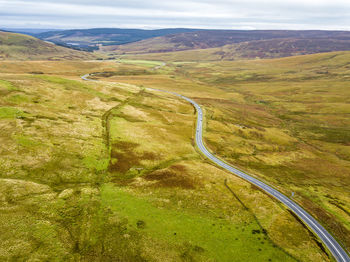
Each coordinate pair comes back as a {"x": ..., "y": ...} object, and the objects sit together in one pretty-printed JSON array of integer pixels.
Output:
[{"x": 161, "y": 28}]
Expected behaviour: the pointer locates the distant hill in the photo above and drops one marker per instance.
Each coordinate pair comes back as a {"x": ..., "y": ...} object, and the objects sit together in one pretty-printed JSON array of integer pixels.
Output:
[
  {"x": 282, "y": 48},
  {"x": 272, "y": 48},
  {"x": 233, "y": 44},
  {"x": 91, "y": 38},
  {"x": 15, "y": 46},
  {"x": 30, "y": 31},
  {"x": 226, "y": 44}
]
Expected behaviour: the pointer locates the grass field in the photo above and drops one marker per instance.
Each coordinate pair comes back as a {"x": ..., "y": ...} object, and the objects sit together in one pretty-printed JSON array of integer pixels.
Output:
[
  {"x": 141, "y": 62},
  {"x": 285, "y": 121},
  {"x": 101, "y": 171}
]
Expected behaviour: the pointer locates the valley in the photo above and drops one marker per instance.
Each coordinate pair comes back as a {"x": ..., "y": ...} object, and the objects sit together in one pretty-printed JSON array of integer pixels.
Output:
[{"x": 110, "y": 169}]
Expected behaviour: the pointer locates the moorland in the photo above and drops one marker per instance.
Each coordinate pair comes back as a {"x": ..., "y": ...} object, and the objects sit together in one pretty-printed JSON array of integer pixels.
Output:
[{"x": 108, "y": 170}]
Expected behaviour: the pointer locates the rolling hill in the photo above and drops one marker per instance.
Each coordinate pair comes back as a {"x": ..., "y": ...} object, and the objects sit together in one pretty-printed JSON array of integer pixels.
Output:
[
  {"x": 233, "y": 44},
  {"x": 91, "y": 38},
  {"x": 103, "y": 171},
  {"x": 272, "y": 48},
  {"x": 221, "y": 44},
  {"x": 15, "y": 46},
  {"x": 284, "y": 47},
  {"x": 30, "y": 31},
  {"x": 305, "y": 98}
]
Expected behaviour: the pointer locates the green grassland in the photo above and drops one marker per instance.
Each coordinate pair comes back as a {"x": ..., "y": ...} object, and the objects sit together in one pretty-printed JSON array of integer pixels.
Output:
[
  {"x": 141, "y": 62},
  {"x": 285, "y": 121},
  {"x": 104, "y": 171}
]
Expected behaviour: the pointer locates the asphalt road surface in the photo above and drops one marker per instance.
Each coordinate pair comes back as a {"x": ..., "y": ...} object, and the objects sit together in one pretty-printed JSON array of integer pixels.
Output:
[
  {"x": 85, "y": 77},
  {"x": 338, "y": 252}
]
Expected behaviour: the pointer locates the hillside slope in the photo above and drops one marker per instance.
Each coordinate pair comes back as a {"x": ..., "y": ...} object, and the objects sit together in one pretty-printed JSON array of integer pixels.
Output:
[
  {"x": 264, "y": 43},
  {"x": 283, "y": 48},
  {"x": 286, "y": 120},
  {"x": 100, "y": 171},
  {"x": 15, "y": 46},
  {"x": 91, "y": 38},
  {"x": 272, "y": 48}
]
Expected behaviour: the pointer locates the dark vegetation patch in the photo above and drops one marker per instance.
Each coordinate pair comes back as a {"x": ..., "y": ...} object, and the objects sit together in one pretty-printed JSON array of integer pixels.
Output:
[
  {"x": 106, "y": 126},
  {"x": 122, "y": 72},
  {"x": 283, "y": 174},
  {"x": 174, "y": 176},
  {"x": 241, "y": 78},
  {"x": 315, "y": 172},
  {"x": 123, "y": 156},
  {"x": 328, "y": 220},
  {"x": 46, "y": 117},
  {"x": 141, "y": 224},
  {"x": 332, "y": 135},
  {"x": 216, "y": 101},
  {"x": 178, "y": 168},
  {"x": 191, "y": 253},
  {"x": 339, "y": 205},
  {"x": 123, "y": 152}
]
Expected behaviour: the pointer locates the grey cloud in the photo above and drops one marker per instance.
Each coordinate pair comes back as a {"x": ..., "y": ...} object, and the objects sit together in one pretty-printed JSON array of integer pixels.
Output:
[{"x": 230, "y": 14}]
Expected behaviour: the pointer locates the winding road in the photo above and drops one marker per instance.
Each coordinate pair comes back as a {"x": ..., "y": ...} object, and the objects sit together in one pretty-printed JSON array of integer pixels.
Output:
[{"x": 335, "y": 248}]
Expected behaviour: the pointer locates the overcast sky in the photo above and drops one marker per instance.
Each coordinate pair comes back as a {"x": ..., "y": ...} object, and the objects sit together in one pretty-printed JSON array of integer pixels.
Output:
[{"x": 150, "y": 14}]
